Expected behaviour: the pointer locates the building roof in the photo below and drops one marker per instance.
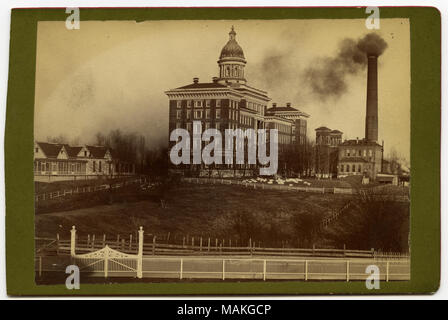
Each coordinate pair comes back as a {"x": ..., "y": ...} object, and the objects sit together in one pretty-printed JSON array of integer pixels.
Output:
[
  {"x": 205, "y": 85},
  {"x": 322, "y": 129},
  {"x": 72, "y": 151},
  {"x": 51, "y": 150},
  {"x": 232, "y": 49},
  {"x": 283, "y": 109},
  {"x": 97, "y": 151},
  {"x": 336, "y": 131},
  {"x": 359, "y": 142}
]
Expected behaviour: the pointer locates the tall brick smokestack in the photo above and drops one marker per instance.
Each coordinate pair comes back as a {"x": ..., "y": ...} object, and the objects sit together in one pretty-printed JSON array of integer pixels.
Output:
[
  {"x": 373, "y": 46},
  {"x": 372, "y": 98}
]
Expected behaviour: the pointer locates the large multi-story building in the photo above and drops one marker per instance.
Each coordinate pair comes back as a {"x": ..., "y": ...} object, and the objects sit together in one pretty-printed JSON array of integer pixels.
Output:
[
  {"x": 360, "y": 157},
  {"x": 326, "y": 161},
  {"x": 228, "y": 102}
]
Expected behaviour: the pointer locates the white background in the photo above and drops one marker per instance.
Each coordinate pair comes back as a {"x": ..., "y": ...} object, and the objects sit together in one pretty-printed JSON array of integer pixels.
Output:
[{"x": 6, "y": 5}]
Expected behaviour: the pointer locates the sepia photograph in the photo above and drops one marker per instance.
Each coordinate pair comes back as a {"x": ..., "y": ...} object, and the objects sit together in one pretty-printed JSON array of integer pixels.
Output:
[{"x": 222, "y": 150}]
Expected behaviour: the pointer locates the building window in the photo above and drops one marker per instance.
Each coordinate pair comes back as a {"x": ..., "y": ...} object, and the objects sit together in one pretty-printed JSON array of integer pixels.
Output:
[
  {"x": 94, "y": 166},
  {"x": 188, "y": 114},
  {"x": 359, "y": 168},
  {"x": 365, "y": 153},
  {"x": 347, "y": 152},
  {"x": 359, "y": 152},
  {"x": 348, "y": 168},
  {"x": 370, "y": 152},
  {"x": 198, "y": 104},
  {"x": 218, "y": 103},
  {"x": 218, "y": 126},
  {"x": 207, "y": 114},
  {"x": 198, "y": 114},
  {"x": 218, "y": 114},
  {"x": 179, "y": 114},
  {"x": 189, "y": 126},
  {"x": 207, "y": 103},
  {"x": 179, "y": 104},
  {"x": 342, "y": 168},
  {"x": 353, "y": 168},
  {"x": 188, "y": 103}
]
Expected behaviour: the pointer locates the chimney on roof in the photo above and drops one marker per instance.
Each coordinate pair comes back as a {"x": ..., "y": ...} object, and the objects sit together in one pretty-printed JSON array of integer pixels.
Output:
[
  {"x": 357, "y": 140},
  {"x": 274, "y": 105},
  {"x": 195, "y": 80},
  {"x": 288, "y": 104},
  {"x": 215, "y": 79}
]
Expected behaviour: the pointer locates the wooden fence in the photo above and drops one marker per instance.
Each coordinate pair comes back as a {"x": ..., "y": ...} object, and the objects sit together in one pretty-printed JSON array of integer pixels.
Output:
[
  {"x": 198, "y": 247},
  {"x": 288, "y": 187},
  {"x": 87, "y": 189}
]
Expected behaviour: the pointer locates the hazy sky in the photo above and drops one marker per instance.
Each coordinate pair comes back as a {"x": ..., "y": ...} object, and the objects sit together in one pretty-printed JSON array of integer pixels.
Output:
[{"x": 113, "y": 74}]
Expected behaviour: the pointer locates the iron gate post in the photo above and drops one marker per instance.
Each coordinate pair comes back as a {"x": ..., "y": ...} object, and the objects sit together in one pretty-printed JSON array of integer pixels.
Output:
[
  {"x": 73, "y": 241},
  {"x": 140, "y": 254}
]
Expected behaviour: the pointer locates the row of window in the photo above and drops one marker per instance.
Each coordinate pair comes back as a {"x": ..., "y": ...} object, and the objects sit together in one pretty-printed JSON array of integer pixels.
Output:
[
  {"x": 59, "y": 167},
  {"x": 66, "y": 167},
  {"x": 198, "y": 103},
  {"x": 360, "y": 153},
  {"x": 353, "y": 167},
  {"x": 256, "y": 107},
  {"x": 199, "y": 114}
]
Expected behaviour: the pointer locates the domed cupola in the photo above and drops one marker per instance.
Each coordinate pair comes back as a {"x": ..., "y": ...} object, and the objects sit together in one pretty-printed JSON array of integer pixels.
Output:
[{"x": 231, "y": 61}]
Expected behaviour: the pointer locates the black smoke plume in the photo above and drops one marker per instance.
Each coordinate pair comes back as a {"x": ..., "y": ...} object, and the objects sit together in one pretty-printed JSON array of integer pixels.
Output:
[{"x": 327, "y": 76}]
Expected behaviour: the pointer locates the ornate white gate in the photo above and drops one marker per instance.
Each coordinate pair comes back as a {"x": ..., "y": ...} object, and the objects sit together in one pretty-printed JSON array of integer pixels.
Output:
[{"x": 107, "y": 260}]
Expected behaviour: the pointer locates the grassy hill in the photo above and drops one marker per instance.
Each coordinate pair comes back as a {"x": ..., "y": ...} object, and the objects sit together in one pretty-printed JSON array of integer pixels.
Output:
[{"x": 272, "y": 217}]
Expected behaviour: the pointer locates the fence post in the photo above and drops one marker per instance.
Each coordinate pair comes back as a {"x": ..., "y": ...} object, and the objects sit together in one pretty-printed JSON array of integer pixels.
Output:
[
  {"x": 154, "y": 245},
  {"x": 57, "y": 243},
  {"x": 140, "y": 254},
  {"x": 106, "y": 262},
  {"x": 348, "y": 270},
  {"x": 223, "y": 269},
  {"x": 73, "y": 241},
  {"x": 181, "y": 268},
  {"x": 387, "y": 271},
  {"x": 306, "y": 270},
  {"x": 264, "y": 270}
]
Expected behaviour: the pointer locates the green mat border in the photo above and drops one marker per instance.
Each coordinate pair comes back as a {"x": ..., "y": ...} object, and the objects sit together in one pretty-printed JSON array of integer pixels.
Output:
[{"x": 425, "y": 156}]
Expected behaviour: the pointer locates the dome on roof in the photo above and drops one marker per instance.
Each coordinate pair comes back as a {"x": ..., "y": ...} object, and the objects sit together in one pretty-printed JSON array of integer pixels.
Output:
[{"x": 232, "y": 49}]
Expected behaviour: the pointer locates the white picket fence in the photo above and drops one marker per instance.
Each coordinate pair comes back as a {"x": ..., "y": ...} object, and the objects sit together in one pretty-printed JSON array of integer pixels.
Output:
[{"x": 109, "y": 262}]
